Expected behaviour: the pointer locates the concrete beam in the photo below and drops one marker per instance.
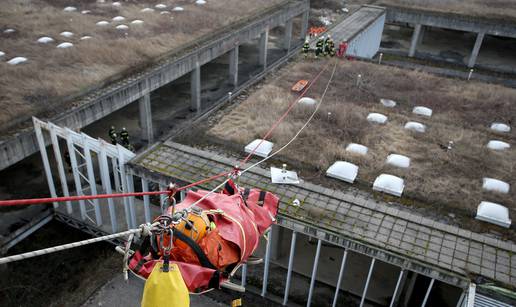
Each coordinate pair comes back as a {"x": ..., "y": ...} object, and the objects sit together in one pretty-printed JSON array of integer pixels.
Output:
[
  {"x": 104, "y": 101},
  {"x": 304, "y": 24},
  {"x": 451, "y": 21},
  {"x": 288, "y": 35},
  {"x": 195, "y": 86},
  {"x": 233, "y": 66},
  {"x": 264, "y": 41},
  {"x": 415, "y": 40},
  {"x": 476, "y": 50},
  {"x": 144, "y": 104}
]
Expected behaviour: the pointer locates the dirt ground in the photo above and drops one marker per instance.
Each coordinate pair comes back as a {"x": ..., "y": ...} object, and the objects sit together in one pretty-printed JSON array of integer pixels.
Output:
[
  {"x": 61, "y": 279},
  {"x": 50, "y": 75},
  {"x": 447, "y": 181}
]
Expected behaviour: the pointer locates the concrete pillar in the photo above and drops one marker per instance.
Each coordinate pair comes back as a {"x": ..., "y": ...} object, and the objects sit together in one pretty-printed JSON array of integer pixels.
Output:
[
  {"x": 288, "y": 35},
  {"x": 195, "y": 86},
  {"x": 410, "y": 289},
  {"x": 277, "y": 237},
  {"x": 421, "y": 35},
  {"x": 146, "y": 118},
  {"x": 233, "y": 66},
  {"x": 415, "y": 40},
  {"x": 264, "y": 40},
  {"x": 304, "y": 25},
  {"x": 476, "y": 49}
]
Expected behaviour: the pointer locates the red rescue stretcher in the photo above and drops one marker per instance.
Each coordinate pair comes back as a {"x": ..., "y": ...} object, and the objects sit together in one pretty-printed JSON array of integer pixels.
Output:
[{"x": 211, "y": 239}]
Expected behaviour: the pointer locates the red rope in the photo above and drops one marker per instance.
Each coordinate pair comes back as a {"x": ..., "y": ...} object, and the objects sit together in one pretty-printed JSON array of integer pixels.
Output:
[
  {"x": 39, "y": 201},
  {"x": 290, "y": 107}
]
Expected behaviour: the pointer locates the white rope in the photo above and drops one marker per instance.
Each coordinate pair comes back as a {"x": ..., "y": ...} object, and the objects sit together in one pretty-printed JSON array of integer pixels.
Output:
[
  {"x": 302, "y": 128},
  {"x": 68, "y": 246}
]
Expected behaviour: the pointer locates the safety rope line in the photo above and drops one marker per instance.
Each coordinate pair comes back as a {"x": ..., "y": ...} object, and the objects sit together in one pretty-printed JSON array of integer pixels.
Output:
[
  {"x": 40, "y": 252},
  {"x": 290, "y": 107}
]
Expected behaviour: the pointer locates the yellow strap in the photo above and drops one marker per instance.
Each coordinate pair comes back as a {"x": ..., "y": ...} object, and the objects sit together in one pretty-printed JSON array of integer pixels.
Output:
[
  {"x": 236, "y": 303},
  {"x": 165, "y": 289}
]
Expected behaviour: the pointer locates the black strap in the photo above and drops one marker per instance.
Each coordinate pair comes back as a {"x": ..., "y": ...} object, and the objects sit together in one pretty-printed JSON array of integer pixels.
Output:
[
  {"x": 203, "y": 259},
  {"x": 261, "y": 198},
  {"x": 246, "y": 193},
  {"x": 229, "y": 188}
]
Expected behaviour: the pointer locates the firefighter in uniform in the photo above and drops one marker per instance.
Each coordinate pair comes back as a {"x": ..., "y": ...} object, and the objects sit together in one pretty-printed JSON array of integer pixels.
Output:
[
  {"x": 319, "y": 47},
  {"x": 124, "y": 138},
  {"x": 328, "y": 45},
  {"x": 331, "y": 48},
  {"x": 306, "y": 48},
  {"x": 112, "y": 135}
]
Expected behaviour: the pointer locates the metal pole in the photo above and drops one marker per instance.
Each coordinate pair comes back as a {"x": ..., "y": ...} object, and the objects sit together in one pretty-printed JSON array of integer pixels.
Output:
[
  {"x": 371, "y": 267},
  {"x": 146, "y": 201},
  {"x": 91, "y": 178},
  {"x": 394, "y": 296},
  {"x": 123, "y": 180},
  {"x": 428, "y": 292},
  {"x": 44, "y": 157},
  {"x": 460, "y": 303},
  {"x": 130, "y": 189},
  {"x": 75, "y": 172},
  {"x": 244, "y": 275},
  {"x": 290, "y": 265},
  {"x": 339, "y": 280},
  {"x": 106, "y": 185},
  {"x": 162, "y": 198},
  {"x": 116, "y": 174},
  {"x": 60, "y": 167},
  {"x": 314, "y": 273},
  {"x": 267, "y": 259}
]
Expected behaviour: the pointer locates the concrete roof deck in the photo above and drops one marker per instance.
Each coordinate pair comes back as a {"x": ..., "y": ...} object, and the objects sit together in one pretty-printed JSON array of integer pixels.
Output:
[
  {"x": 350, "y": 218},
  {"x": 52, "y": 78}
]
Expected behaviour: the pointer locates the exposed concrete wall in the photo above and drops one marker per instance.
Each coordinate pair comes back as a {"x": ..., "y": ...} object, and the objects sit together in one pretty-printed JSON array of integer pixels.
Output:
[
  {"x": 451, "y": 21},
  {"x": 146, "y": 118},
  {"x": 103, "y": 102}
]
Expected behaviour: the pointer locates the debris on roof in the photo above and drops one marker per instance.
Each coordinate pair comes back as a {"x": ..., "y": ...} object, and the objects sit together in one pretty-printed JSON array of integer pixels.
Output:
[
  {"x": 102, "y": 23},
  {"x": 493, "y": 213},
  {"x": 423, "y": 111},
  {"x": 85, "y": 37},
  {"x": 122, "y": 27},
  {"x": 495, "y": 185},
  {"x": 357, "y": 149},
  {"x": 343, "y": 171},
  {"x": 263, "y": 149},
  {"x": 415, "y": 126},
  {"x": 389, "y": 184},
  {"x": 147, "y": 10},
  {"x": 137, "y": 22},
  {"x": 118, "y": 18},
  {"x": 398, "y": 160},
  {"x": 160, "y": 6},
  {"x": 377, "y": 118},
  {"x": 178, "y": 9}
]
